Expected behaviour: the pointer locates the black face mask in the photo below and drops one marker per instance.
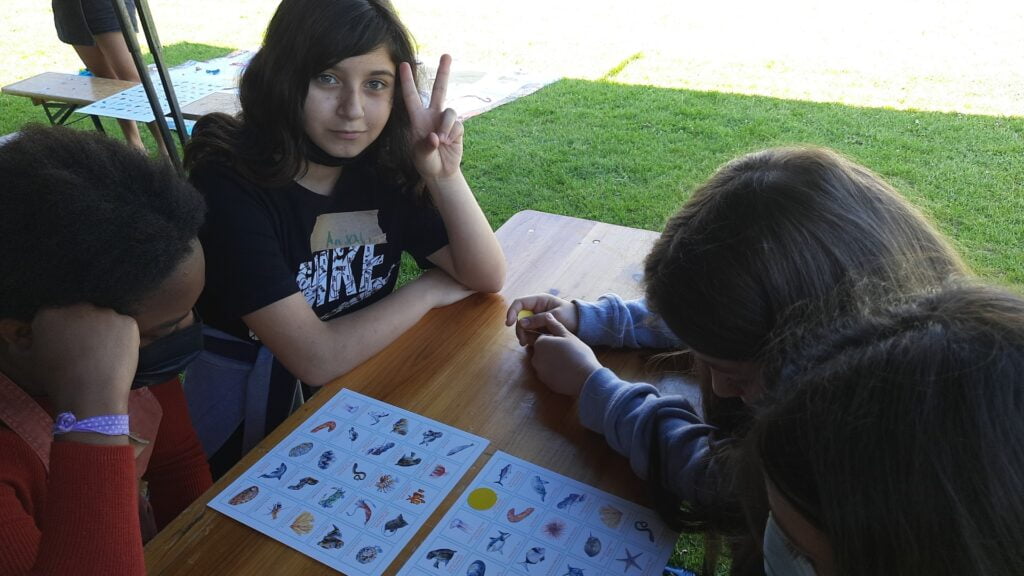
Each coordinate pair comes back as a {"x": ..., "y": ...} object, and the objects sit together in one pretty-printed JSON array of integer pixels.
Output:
[{"x": 167, "y": 357}]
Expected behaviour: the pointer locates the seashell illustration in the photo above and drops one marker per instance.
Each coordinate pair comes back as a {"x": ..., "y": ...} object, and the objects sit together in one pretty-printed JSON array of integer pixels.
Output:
[
  {"x": 392, "y": 526},
  {"x": 368, "y": 554},
  {"x": 409, "y": 460},
  {"x": 611, "y": 516},
  {"x": 513, "y": 517},
  {"x": 458, "y": 449},
  {"x": 307, "y": 481},
  {"x": 301, "y": 449},
  {"x": 401, "y": 427},
  {"x": 477, "y": 568},
  {"x": 438, "y": 471},
  {"x": 303, "y": 523},
  {"x": 244, "y": 496},
  {"x": 555, "y": 529},
  {"x": 327, "y": 458},
  {"x": 386, "y": 483},
  {"x": 429, "y": 436},
  {"x": 329, "y": 426},
  {"x": 276, "y": 473},
  {"x": 332, "y": 539},
  {"x": 440, "y": 556},
  {"x": 378, "y": 450},
  {"x": 592, "y": 547},
  {"x": 329, "y": 500},
  {"x": 538, "y": 487}
]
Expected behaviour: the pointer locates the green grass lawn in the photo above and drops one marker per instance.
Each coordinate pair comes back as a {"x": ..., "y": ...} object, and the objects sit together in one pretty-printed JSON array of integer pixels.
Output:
[{"x": 631, "y": 155}]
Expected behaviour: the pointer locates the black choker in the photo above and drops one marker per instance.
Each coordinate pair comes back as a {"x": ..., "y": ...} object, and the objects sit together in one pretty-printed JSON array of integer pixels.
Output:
[{"x": 317, "y": 155}]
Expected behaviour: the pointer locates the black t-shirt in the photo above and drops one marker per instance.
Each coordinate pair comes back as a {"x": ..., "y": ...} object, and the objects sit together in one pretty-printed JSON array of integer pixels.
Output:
[{"x": 342, "y": 251}]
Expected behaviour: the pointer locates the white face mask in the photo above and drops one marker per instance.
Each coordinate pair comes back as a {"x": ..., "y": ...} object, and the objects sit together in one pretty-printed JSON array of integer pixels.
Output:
[{"x": 780, "y": 557}]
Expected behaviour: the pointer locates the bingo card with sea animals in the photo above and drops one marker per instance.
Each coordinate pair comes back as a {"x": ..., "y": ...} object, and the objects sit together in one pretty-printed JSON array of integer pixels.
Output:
[
  {"x": 516, "y": 518},
  {"x": 353, "y": 484}
]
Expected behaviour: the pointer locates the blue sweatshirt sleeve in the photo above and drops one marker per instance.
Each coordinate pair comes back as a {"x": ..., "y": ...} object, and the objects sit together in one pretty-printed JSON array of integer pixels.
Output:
[
  {"x": 612, "y": 321},
  {"x": 627, "y": 413}
]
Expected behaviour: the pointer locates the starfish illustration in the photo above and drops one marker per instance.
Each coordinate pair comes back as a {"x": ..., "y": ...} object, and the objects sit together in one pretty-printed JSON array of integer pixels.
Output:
[{"x": 630, "y": 560}]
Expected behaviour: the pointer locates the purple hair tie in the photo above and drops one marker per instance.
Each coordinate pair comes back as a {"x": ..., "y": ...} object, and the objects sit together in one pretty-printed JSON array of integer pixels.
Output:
[{"x": 111, "y": 425}]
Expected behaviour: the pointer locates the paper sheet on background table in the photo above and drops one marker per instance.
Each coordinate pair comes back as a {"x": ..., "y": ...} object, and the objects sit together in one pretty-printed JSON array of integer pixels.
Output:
[
  {"x": 132, "y": 104},
  {"x": 516, "y": 518},
  {"x": 353, "y": 494}
]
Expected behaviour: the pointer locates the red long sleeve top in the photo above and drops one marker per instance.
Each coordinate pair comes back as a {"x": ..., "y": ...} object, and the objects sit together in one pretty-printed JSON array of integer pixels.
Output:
[{"x": 83, "y": 518}]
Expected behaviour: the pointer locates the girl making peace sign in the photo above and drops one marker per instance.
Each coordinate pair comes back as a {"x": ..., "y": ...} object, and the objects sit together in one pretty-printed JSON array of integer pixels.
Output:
[{"x": 332, "y": 169}]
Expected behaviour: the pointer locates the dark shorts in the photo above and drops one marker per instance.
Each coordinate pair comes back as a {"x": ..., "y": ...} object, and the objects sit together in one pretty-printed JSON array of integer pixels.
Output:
[{"x": 77, "y": 21}]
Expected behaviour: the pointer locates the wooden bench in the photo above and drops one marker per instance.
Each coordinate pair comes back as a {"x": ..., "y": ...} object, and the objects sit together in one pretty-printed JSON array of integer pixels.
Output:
[{"x": 61, "y": 94}]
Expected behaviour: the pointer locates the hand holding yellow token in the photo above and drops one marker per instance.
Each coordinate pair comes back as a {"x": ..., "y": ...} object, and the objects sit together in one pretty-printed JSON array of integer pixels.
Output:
[{"x": 524, "y": 314}]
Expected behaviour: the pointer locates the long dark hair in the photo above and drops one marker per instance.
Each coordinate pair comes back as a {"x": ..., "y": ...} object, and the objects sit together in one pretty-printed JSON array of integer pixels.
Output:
[
  {"x": 266, "y": 143},
  {"x": 768, "y": 234},
  {"x": 899, "y": 433}
]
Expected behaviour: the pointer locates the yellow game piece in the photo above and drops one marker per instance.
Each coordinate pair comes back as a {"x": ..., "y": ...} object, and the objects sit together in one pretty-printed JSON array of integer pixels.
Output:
[
  {"x": 524, "y": 314},
  {"x": 482, "y": 499}
]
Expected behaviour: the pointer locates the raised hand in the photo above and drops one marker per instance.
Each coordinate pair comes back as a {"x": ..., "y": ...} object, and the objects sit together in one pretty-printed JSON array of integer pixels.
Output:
[
  {"x": 436, "y": 131},
  {"x": 85, "y": 358}
]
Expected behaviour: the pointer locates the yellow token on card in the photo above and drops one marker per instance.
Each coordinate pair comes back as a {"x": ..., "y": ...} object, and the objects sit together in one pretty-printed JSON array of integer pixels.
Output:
[
  {"x": 482, "y": 499},
  {"x": 524, "y": 314}
]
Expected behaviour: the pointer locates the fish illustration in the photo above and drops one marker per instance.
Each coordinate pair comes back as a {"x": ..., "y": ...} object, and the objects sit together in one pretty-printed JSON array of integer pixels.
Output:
[
  {"x": 329, "y": 500},
  {"x": 352, "y": 434},
  {"x": 503, "y": 475},
  {"x": 303, "y": 523},
  {"x": 477, "y": 568},
  {"x": 417, "y": 497},
  {"x": 458, "y": 524},
  {"x": 497, "y": 543},
  {"x": 569, "y": 501},
  {"x": 458, "y": 449},
  {"x": 244, "y": 496},
  {"x": 366, "y": 507},
  {"x": 592, "y": 547},
  {"x": 574, "y": 571},
  {"x": 275, "y": 510},
  {"x": 329, "y": 426},
  {"x": 438, "y": 471},
  {"x": 378, "y": 450},
  {"x": 534, "y": 555},
  {"x": 401, "y": 427},
  {"x": 327, "y": 458},
  {"x": 307, "y": 481},
  {"x": 357, "y": 474},
  {"x": 392, "y": 526},
  {"x": 440, "y": 555},
  {"x": 409, "y": 459},
  {"x": 301, "y": 449},
  {"x": 276, "y": 473},
  {"x": 332, "y": 539},
  {"x": 429, "y": 436},
  {"x": 538, "y": 487},
  {"x": 368, "y": 554},
  {"x": 513, "y": 517},
  {"x": 376, "y": 416}
]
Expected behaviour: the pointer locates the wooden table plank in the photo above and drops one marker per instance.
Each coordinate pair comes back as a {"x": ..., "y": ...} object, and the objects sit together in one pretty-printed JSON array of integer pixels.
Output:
[
  {"x": 68, "y": 88},
  {"x": 459, "y": 365}
]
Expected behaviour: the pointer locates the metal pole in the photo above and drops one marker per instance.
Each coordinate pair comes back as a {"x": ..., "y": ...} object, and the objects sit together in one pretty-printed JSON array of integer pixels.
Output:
[
  {"x": 149, "y": 29},
  {"x": 147, "y": 84}
]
